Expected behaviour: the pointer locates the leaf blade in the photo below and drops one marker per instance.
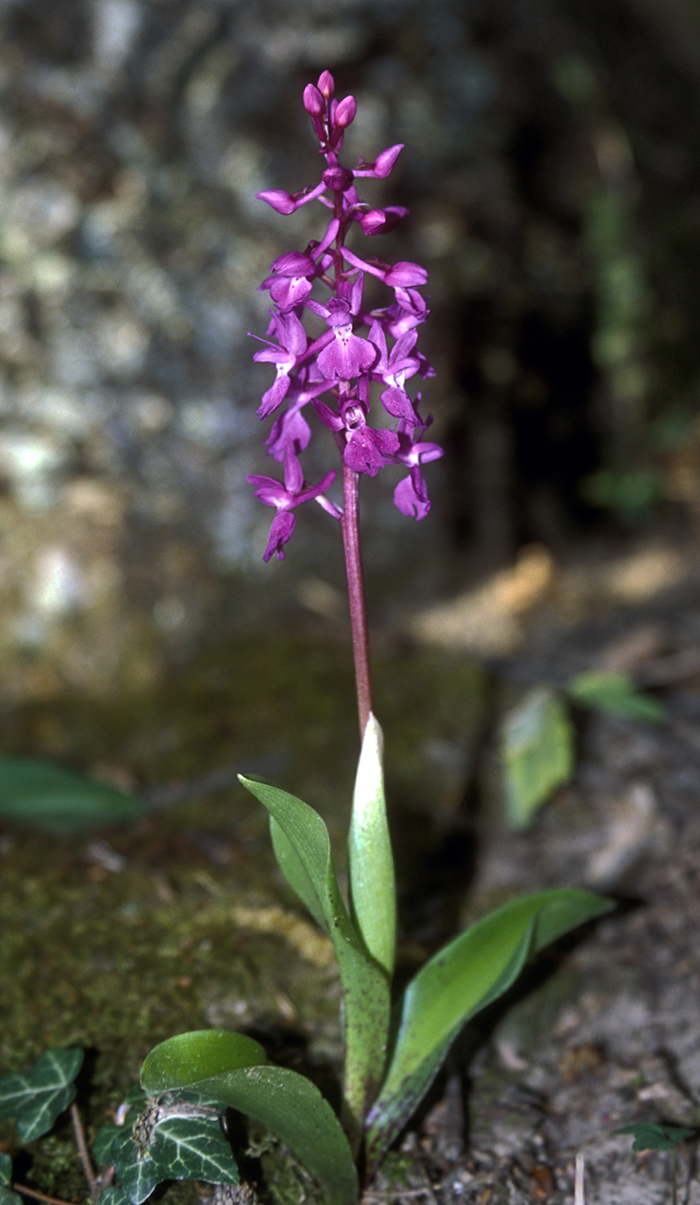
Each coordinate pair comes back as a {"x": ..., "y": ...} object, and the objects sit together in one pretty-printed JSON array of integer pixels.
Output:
[
  {"x": 458, "y": 982},
  {"x": 36, "y": 1097},
  {"x": 194, "y": 1148},
  {"x": 57, "y": 800},
  {"x": 294, "y": 1109},
  {"x": 615, "y": 694},
  {"x": 365, "y": 985},
  {"x": 371, "y": 861},
  {"x": 537, "y": 748},
  {"x": 196, "y": 1055}
]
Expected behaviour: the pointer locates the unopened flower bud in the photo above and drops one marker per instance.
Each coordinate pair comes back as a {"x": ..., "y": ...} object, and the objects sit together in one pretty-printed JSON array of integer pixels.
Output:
[
  {"x": 385, "y": 160},
  {"x": 313, "y": 101},
  {"x": 282, "y": 201},
  {"x": 345, "y": 113},
  {"x": 381, "y": 221},
  {"x": 326, "y": 84},
  {"x": 405, "y": 275}
]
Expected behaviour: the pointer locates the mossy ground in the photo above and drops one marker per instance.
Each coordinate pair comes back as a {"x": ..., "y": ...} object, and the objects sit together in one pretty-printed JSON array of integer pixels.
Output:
[{"x": 114, "y": 941}]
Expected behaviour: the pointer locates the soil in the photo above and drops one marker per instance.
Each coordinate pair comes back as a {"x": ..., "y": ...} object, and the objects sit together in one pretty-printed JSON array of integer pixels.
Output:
[{"x": 606, "y": 1032}]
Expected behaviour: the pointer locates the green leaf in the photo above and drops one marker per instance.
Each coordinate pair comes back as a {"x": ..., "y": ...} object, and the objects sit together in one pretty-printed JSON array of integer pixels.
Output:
[
  {"x": 538, "y": 752},
  {"x": 289, "y": 1105},
  {"x": 651, "y": 1137},
  {"x": 197, "y": 1055},
  {"x": 136, "y": 1168},
  {"x": 102, "y": 1143},
  {"x": 371, "y": 862},
  {"x": 5, "y": 1169},
  {"x": 58, "y": 800},
  {"x": 171, "y": 1140},
  {"x": 8, "y": 1197},
  {"x": 36, "y": 1097},
  {"x": 458, "y": 982},
  {"x": 195, "y": 1148},
  {"x": 114, "y": 1195},
  {"x": 303, "y": 849},
  {"x": 615, "y": 694}
]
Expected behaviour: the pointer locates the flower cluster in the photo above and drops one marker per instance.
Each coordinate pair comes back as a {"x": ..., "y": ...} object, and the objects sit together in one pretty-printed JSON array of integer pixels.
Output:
[{"x": 333, "y": 373}]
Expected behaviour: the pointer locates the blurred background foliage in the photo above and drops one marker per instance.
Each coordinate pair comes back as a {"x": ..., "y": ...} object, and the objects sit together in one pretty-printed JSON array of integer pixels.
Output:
[{"x": 552, "y": 169}]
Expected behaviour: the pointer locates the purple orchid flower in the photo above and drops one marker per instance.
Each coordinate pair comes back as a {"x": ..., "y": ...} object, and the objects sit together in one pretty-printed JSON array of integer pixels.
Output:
[
  {"x": 285, "y": 498},
  {"x": 335, "y": 371}
]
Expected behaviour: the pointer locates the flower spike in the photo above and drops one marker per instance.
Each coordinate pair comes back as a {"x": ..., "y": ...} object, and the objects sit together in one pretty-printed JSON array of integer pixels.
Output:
[{"x": 358, "y": 354}]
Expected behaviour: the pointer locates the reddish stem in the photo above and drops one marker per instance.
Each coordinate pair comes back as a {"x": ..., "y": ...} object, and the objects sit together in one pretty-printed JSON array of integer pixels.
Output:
[{"x": 356, "y": 594}]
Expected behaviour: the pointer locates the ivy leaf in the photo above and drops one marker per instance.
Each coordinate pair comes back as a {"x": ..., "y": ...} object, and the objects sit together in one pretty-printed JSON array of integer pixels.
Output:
[
  {"x": 36, "y": 1097},
  {"x": 615, "y": 694},
  {"x": 171, "y": 1140},
  {"x": 303, "y": 849},
  {"x": 135, "y": 1166},
  {"x": 103, "y": 1142},
  {"x": 195, "y": 1148},
  {"x": 537, "y": 747},
  {"x": 456, "y": 984},
  {"x": 114, "y": 1195},
  {"x": 287, "y": 1103},
  {"x": 58, "y": 800},
  {"x": 648, "y": 1136},
  {"x": 8, "y": 1197}
]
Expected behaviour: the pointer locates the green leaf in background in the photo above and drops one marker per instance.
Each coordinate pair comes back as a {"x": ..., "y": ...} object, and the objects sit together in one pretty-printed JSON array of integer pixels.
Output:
[
  {"x": 458, "y": 982},
  {"x": 649, "y": 1136},
  {"x": 371, "y": 862},
  {"x": 102, "y": 1143},
  {"x": 58, "y": 800},
  {"x": 303, "y": 849},
  {"x": 287, "y": 1103},
  {"x": 7, "y": 1196},
  {"x": 36, "y": 1097},
  {"x": 615, "y": 694},
  {"x": 537, "y": 746}
]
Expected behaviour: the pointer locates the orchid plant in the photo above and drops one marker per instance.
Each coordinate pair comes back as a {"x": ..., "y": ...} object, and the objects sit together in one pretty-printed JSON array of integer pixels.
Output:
[
  {"x": 392, "y": 1055},
  {"x": 393, "y": 1048}
]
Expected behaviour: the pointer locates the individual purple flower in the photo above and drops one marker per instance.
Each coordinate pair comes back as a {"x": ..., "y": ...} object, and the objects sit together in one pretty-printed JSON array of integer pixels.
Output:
[
  {"x": 290, "y": 434},
  {"x": 285, "y": 202},
  {"x": 411, "y": 494},
  {"x": 402, "y": 275},
  {"x": 365, "y": 449},
  {"x": 393, "y": 368},
  {"x": 347, "y": 355},
  {"x": 291, "y": 280},
  {"x": 383, "y": 164},
  {"x": 285, "y": 498},
  {"x": 291, "y": 344}
]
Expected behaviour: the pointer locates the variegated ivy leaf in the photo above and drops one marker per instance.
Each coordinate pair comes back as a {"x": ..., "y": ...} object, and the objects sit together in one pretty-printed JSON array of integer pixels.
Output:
[
  {"x": 36, "y": 1097},
  {"x": 172, "y": 1140}
]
